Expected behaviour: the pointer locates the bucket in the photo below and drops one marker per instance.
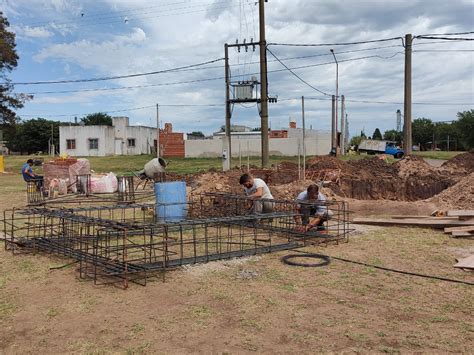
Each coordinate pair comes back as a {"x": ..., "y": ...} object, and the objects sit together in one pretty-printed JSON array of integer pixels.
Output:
[{"x": 171, "y": 203}]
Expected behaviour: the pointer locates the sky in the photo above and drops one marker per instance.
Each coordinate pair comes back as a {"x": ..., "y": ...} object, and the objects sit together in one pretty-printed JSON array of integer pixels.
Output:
[{"x": 70, "y": 40}]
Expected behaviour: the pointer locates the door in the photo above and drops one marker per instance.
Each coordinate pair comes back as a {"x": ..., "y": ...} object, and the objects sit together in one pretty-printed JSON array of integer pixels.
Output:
[{"x": 118, "y": 147}]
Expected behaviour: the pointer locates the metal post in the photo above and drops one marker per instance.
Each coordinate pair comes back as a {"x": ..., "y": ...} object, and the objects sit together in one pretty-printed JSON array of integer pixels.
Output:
[
  {"x": 407, "y": 133},
  {"x": 157, "y": 131},
  {"x": 448, "y": 143},
  {"x": 227, "y": 106},
  {"x": 333, "y": 125},
  {"x": 343, "y": 126},
  {"x": 304, "y": 137},
  {"x": 299, "y": 160},
  {"x": 264, "y": 86}
]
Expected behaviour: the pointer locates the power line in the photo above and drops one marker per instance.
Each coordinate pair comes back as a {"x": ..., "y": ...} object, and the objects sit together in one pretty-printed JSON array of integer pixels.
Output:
[
  {"x": 446, "y": 38},
  {"x": 448, "y": 34},
  {"x": 385, "y": 102},
  {"x": 333, "y": 44},
  {"x": 83, "y": 22},
  {"x": 129, "y": 109},
  {"x": 444, "y": 50},
  {"x": 301, "y": 79},
  {"x": 118, "y": 76},
  {"x": 208, "y": 79}
]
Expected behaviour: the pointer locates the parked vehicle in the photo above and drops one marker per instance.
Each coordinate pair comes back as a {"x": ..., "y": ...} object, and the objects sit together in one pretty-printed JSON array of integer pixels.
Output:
[{"x": 373, "y": 146}]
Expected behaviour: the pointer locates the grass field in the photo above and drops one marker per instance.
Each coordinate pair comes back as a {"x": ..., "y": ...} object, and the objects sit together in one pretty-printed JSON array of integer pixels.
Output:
[
  {"x": 249, "y": 305},
  {"x": 432, "y": 154}
]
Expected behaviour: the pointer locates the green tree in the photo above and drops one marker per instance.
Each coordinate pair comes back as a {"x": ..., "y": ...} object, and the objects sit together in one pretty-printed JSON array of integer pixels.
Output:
[
  {"x": 422, "y": 131},
  {"x": 97, "y": 119},
  {"x": 8, "y": 62},
  {"x": 377, "y": 135},
  {"x": 445, "y": 132},
  {"x": 356, "y": 140},
  {"x": 465, "y": 128},
  {"x": 196, "y": 134},
  {"x": 34, "y": 135},
  {"x": 393, "y": 135}
]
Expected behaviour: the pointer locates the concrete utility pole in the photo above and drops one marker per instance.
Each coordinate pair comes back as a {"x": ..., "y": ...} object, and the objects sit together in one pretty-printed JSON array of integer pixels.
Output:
[
  {"x": 304, "y": 137},
  {"x": 157, "y": 130},
  {"x": 227, "y": 164},
  {"x": 337, "y": 91},
  {"x": 343, "y": 126},
  {"x": 264, "y": 86},
  {"x": 407, "y": 135},
  {"x": 333, "y": 126}
]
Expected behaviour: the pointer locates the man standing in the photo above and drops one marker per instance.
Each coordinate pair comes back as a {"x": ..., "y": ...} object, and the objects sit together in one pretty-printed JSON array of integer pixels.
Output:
[
  {"x": 312, "y": 209},
  {"x": 257, "y": 188}
]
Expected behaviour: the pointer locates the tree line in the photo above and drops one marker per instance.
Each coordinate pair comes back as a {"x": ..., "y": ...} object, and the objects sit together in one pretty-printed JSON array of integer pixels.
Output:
[{"x": 447, "y": 135}]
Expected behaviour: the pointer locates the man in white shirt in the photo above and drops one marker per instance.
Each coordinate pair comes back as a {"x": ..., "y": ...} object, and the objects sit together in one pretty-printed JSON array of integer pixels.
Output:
[
  {"x": 257, "y": 189},
  {"x": 312, "y": 211}
]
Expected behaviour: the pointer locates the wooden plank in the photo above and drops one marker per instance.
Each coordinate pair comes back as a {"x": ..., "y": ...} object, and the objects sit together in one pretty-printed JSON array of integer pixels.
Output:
[
  {"x": 412, "y": 222},
  {"x": 426, "y": 218},
  {"x": 466, "y": 263},
  {"x": 459, "y": 229},
  {"x": 461, "y": 213},
  {"x": 462, "y": 234}
]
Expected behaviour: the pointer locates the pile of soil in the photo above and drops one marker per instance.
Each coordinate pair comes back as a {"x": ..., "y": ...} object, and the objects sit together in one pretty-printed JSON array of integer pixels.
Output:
[
  {"x": 324, "y": 162},
  {"x": 413, "y": 164},
  {"x": 461, "y": 163},
  {"x": 459, "y": 196},
  {"x": 290, "y": 191}
]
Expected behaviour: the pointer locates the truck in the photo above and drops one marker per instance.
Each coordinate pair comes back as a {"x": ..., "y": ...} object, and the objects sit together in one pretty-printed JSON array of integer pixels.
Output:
[{"x": 373, "y": 146}]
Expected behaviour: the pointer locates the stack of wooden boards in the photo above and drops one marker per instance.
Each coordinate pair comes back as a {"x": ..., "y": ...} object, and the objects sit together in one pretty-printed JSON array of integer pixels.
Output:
[{"x": 458, "y": 223}]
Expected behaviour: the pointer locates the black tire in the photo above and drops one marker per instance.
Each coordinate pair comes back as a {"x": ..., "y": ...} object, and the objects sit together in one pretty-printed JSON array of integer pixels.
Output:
[
  {"x": 287, "y": 260},
  {"x": 398, "y": 155}
]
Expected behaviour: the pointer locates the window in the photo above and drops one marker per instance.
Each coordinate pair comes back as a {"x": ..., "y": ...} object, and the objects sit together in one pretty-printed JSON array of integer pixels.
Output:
[
  {"x": 70, "y": 143},
  {"x": 131, "y": 142},
  {"x": 93, "y": 143}
]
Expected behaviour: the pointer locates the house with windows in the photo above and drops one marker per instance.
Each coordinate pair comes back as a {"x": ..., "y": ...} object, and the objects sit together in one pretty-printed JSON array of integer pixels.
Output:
[{"x": 119, "y": 139}]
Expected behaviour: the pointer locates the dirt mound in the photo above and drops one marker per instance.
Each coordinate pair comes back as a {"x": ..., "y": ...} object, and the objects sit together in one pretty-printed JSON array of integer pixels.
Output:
[
  {"x": 290, "y": 191},
  {"x": 413, "y": 165},
  {"x": 324, "y": 162},
  {"x": 464, "y": 161},
  {"x": 459, "y": 196},
  {"x": 287, "y": 165}
]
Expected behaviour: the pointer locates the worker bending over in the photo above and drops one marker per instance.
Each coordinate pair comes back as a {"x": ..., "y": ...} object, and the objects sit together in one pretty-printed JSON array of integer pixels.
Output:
[
  {"x": 312, "y": 211},
  {"x": 257, "y": 188}
]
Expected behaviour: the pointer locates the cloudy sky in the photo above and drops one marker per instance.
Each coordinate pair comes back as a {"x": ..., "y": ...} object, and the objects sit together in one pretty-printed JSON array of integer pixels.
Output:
[{"x": 72, "y": 40}]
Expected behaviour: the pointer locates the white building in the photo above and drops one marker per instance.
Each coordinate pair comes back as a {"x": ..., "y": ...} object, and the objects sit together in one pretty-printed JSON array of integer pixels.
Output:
[{"x": 118, "y": 139}]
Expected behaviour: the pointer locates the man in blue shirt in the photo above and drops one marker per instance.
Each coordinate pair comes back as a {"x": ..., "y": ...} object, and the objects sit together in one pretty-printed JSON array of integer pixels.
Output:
[
  {"x": 312, "y": 211},
  {"x": 28, "y": 174}
]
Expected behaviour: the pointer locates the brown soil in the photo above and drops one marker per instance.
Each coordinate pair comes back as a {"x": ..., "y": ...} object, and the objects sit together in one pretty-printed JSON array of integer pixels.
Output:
[
  {"x": 464, "y": 161},
  {"x": 460, "y": 196}
]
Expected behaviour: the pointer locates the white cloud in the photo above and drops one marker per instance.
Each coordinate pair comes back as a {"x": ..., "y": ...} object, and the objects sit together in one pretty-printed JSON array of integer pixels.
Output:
[{"x": 32, "y": 32}]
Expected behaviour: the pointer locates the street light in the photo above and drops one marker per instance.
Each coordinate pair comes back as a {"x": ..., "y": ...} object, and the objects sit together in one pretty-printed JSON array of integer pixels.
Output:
[{"x": 337, "y": 89}]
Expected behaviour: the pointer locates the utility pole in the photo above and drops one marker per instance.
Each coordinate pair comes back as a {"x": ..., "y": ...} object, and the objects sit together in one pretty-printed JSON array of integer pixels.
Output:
[
  {"x": 157, "y": 131},
  {"x": 337, "y": 93},
  {"x": 407, "y": 133},
  {"x": 264, "y": 86},
  {"x": 227, "y": 164},
  {"x": 304, "y": 137},
  {"x": 333, "y": 126},
  {"x": 343, "y": 126}
]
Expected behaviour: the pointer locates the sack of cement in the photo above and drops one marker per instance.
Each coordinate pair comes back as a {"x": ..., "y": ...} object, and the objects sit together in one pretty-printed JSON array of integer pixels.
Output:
[{"x": 102, "y": 184}]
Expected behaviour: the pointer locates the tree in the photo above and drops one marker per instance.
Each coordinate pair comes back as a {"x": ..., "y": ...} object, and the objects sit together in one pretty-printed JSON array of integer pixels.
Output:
[
  {"x": 422, "y": 131},
  {"x": 465, "y": 128},
  {"x": 8, "y": 62},
  {"x": 377, "y": 135},
  {"x": 393, "y": 135},
  {"x": 97, "y": 119},
  {"x": 356, "y": 140},
  {"x": 196, "y": 134},
  {"x": 34, "y": 136}
]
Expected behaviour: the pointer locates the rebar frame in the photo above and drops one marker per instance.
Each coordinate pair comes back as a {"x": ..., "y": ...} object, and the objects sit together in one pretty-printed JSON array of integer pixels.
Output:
[{"x": 125, "y": 243}]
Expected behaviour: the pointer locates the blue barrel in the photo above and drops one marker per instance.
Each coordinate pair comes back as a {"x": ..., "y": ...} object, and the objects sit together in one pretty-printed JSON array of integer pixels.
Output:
[{"x": 171, "y": 203}]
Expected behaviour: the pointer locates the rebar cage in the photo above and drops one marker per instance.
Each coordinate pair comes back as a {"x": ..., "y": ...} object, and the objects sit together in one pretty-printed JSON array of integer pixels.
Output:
[{"x": 128, "y": 243}]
